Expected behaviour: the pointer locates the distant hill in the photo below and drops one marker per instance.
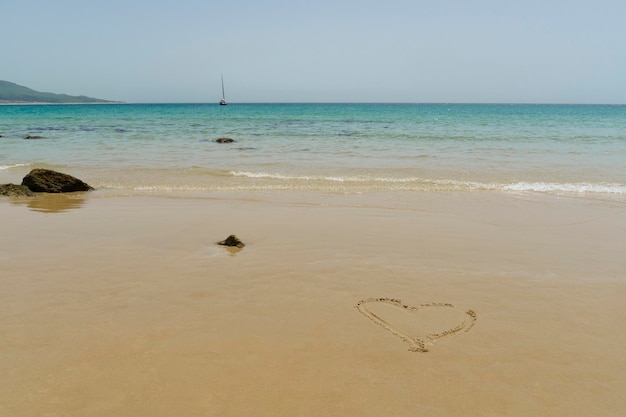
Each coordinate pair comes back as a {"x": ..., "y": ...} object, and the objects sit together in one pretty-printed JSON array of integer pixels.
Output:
[{"x": 13, "y": 93}]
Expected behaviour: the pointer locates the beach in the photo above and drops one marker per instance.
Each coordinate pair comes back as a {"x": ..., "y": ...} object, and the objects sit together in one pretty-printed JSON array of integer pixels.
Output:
[{"x": 126, "y": 306}]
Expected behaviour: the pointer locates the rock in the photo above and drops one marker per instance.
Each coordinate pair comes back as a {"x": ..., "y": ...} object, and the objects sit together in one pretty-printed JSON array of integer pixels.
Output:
[
  {"x": 33, "y": 137},
  {"x": 232, "y": 240},
  {"x": 224, "y": 140},
  {"x": 48, "y": 181},
  {"x": 14, "y": 190}
]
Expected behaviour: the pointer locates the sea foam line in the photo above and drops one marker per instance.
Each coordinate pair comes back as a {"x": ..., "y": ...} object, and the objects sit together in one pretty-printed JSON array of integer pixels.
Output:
[
  {"x": 580, "y": 188},
  {"x": 264, "y": 175},
  {"x": 5, "y": 167},
  {"x": 542, "y": 187}
]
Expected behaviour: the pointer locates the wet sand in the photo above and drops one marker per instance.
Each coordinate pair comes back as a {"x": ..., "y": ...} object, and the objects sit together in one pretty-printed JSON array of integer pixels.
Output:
[{"x": 114, "y": 306}]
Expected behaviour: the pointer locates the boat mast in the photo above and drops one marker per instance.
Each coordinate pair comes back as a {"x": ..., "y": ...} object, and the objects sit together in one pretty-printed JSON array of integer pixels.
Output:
[{"x": 223, "y": 95}]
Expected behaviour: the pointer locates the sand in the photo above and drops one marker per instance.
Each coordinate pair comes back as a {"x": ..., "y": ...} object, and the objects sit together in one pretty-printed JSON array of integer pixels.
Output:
[{"x": 381, "y": 304}]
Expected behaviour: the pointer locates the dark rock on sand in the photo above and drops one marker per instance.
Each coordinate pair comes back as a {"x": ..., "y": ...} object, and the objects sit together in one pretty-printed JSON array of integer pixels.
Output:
[
  {"x": 224, "y": 140},
  {"x": 14, "y": 190},
  {"x": 232, "y": 240},
  {"x": 48, "y": 181},
  {"x": 33, "y": 137}
]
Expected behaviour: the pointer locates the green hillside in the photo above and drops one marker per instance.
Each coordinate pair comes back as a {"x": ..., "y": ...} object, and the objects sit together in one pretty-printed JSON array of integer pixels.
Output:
[{"x": 10, "y": 92}]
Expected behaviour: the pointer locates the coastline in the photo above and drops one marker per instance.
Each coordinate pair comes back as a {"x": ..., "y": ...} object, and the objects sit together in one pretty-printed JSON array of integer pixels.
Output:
[
  {"x": 131, "y": 308},
  {"x": 39, "y": 103}
]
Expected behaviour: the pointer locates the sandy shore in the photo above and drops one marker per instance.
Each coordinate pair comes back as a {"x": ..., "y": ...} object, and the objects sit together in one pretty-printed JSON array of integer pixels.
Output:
[{"x": 126, "y": 307}]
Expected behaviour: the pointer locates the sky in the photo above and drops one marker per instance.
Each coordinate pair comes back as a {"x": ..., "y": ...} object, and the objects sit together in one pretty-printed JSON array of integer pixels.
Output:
[{"x": 470, "y": 51}]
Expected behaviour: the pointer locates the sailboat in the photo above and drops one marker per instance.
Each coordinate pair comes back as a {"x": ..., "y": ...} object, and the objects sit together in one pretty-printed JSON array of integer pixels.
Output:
[{"x": 223, "y": 100}]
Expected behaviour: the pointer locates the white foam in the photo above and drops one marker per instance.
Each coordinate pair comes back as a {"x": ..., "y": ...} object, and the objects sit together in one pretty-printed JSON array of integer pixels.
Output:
[
  {"x": 5, "y": 167},
  {"x": 167, "y": 188},
  {"x": 361, "y": 179},
  {"x": 577, "y": 188},
  {"x": 541, "y": 187}
]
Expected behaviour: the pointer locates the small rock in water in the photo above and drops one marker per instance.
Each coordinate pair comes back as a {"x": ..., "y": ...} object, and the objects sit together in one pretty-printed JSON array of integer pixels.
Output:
[
  {"x": 14, "y": 190},
  {"x": 224, "y": 140},
  {"x": 33, "y": 137},
  {"x": 232, "y": 240}
]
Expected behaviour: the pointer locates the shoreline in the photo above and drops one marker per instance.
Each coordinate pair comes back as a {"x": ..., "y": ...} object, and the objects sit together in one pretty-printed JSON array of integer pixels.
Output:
[
  {"x": 26, "y": 103},
  {"x": 126, "y": 305}
]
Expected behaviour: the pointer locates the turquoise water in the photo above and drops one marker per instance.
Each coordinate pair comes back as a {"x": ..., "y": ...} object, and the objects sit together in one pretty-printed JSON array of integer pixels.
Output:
[{"x": 578, "y": 150}]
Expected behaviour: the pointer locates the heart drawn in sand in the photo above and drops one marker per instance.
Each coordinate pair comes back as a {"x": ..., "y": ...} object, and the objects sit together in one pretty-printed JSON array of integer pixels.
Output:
[{"x": 418, "y": 326}]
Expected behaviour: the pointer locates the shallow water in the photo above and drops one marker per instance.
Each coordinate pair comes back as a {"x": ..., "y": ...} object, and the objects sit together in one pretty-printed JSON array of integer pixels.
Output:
[{"x": 576, "y": 150}]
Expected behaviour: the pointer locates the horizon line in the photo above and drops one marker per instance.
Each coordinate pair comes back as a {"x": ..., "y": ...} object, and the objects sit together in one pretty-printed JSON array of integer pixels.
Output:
[
  {"x": 377, "y": 102},
  {"x": 20, "y": 103}
]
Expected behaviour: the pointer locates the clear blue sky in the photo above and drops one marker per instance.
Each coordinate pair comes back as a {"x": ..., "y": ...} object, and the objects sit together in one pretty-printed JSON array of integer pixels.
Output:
[{"x": 538, "y": 51}]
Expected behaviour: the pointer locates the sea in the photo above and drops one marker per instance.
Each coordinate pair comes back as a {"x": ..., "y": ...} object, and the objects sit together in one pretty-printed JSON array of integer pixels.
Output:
[{"x": 577, "y": 151}]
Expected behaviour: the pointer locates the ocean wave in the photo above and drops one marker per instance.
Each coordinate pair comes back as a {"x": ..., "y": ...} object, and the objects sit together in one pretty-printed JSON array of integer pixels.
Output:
[
  {"x": 574, "y": 188},
  {"x": 566, "y": 190},
  {"x": 8, "y": 167},
  {"x": 441, "y": 184},
  {"x": 33, "y": 165},
  {"x": 348, "y": 179},
  {"x": 164, "y": 188},
  {"x": 423, "y": 184}
]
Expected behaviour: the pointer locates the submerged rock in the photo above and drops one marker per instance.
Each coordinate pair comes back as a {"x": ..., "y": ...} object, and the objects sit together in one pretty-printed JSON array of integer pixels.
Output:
[
  {"x": 232, "y": 240},
  {"x": 14, "y": 190},
  {"x": 224, "y": 140},
  {"x": 33, "y": 137},
  {"x": 48, "y": 181}
]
